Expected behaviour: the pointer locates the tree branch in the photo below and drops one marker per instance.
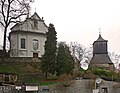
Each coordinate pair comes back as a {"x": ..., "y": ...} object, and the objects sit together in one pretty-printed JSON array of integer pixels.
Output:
[
  {"x": 16, "y": 10},
  {"x": 18, "y": 16},
  {"x": 8, "y": 9},
  {"x": 19, "y": 2},
  {"x": 3, "y": 10},
  {"x": 15, "y": 22},
  {"x": 11, "y": 1},
  {"x": 2, "y": 24},
  {"x": 14, "y": 18}
]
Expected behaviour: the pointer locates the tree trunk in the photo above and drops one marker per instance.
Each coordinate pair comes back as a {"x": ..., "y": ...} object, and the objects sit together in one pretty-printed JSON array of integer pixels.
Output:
[
  {"x": 46, "y": 75},
  {"x": 4, "y": 41}
]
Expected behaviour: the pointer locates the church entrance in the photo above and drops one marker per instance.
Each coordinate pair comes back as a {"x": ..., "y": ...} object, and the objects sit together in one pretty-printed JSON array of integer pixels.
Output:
[{"x": 35, "y": 55}]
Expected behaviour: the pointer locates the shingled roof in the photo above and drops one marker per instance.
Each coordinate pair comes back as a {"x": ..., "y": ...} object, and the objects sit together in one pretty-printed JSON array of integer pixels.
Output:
[
  {"x": 100, "y": 38},
  {"x": 101, "y": 59}
]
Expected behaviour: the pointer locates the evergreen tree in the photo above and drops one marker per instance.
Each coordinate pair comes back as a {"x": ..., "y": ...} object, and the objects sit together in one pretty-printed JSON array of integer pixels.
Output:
[
  {"x": 65, "y": 61},
  {"x": 48, "y": 63}
]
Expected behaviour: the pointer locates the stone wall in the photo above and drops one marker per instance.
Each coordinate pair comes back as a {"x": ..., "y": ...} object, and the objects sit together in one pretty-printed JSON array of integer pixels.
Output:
[
  {"x": 109, "y": 85},
  {"x": 79, "y": 86},
  {"x": 7, "y": 89},
  {"x": 82, "y": 86}
]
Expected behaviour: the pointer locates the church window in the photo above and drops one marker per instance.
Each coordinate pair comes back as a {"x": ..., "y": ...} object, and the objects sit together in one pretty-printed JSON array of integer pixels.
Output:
[
  {"x": 22, "y": 43},
  {"x": 35, "y": 44}
]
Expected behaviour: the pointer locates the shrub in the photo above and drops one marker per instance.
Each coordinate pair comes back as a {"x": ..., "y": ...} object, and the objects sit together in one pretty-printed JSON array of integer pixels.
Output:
[
  {"x": 105, "y": 74},
  {"x": 67, "y": 79}
]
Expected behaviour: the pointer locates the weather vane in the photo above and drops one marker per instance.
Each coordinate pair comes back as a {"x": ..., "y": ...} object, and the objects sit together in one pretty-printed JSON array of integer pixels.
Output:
[
  {"x": 35, "y": 9},
  {"x": 99, "y": 31}
]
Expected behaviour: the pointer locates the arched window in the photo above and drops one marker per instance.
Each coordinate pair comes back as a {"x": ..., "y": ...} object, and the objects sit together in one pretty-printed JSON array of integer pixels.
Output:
[
  {"x": 22, "y": 43},
  {"x": 35, "y": 44}
]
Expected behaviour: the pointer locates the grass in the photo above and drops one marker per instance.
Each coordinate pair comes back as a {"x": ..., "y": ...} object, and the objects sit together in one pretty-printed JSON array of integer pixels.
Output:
[
  {"x": 4, "y": 68},
  {"x": 24, "y": 71},
  {"x": 48, "y": 83},
  {"x": 41, "y": 82},
  {"x": 26, "y": 74}
]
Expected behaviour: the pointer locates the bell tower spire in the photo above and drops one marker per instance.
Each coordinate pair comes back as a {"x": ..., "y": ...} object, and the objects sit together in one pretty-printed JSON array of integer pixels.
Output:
[
  {"x": 99, "y": 32},
  {"x": 100, "y": 54}
]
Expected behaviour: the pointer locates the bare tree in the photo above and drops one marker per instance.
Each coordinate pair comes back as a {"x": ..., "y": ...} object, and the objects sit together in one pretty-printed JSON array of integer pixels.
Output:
[
  {"x": 11, "y": 11},
  {"x": 115, "y": 59},
  {"x": 76, "y": 50},
  {"x": 80, "y": 53}
]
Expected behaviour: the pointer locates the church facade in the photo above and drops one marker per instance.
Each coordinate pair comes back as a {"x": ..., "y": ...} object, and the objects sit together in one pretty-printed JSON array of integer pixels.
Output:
[
  {"x": 27, "y": 39},
  {"x": 100, "y": 54}
]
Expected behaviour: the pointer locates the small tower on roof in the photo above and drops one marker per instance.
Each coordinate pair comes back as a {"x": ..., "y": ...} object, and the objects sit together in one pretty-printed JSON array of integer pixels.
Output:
[
  {"x": 100, "y": 46},
  {"x": 100, "y": 54}
]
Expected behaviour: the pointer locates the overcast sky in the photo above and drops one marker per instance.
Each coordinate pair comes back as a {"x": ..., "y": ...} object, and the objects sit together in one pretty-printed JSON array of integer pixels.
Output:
[{"x": 80, "y": 20}]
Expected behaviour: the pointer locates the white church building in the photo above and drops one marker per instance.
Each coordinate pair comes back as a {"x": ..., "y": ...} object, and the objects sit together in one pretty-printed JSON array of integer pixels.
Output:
[{"x": 28, "y": 37}]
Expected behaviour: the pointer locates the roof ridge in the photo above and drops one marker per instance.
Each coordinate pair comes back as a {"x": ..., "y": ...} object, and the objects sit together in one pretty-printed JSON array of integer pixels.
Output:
[{"x": 100, "y": 38}]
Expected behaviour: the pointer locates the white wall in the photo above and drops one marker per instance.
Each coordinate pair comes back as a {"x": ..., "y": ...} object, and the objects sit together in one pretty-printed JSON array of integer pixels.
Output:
[
  {"x": 24, "y": 30},
  {"x": 28, "y": 52}
]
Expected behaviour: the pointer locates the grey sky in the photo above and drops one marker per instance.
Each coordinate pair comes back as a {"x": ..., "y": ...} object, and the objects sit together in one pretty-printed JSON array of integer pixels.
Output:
[{"x": 80, "y": 20}]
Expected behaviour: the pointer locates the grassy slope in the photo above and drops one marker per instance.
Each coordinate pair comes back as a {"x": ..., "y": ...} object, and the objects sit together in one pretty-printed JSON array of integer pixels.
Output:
[
  {"x": 27, "y": 72},
  {"x": 23, "y": 70}
]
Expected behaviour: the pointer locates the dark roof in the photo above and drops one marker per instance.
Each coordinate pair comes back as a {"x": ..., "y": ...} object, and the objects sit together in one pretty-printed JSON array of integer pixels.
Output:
[
  {"x": 100, "y": 38},
  {"x": 35, "y": 14},
  {"x": 101, "y": 59},
  {"x": 31, "y": 18}
]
